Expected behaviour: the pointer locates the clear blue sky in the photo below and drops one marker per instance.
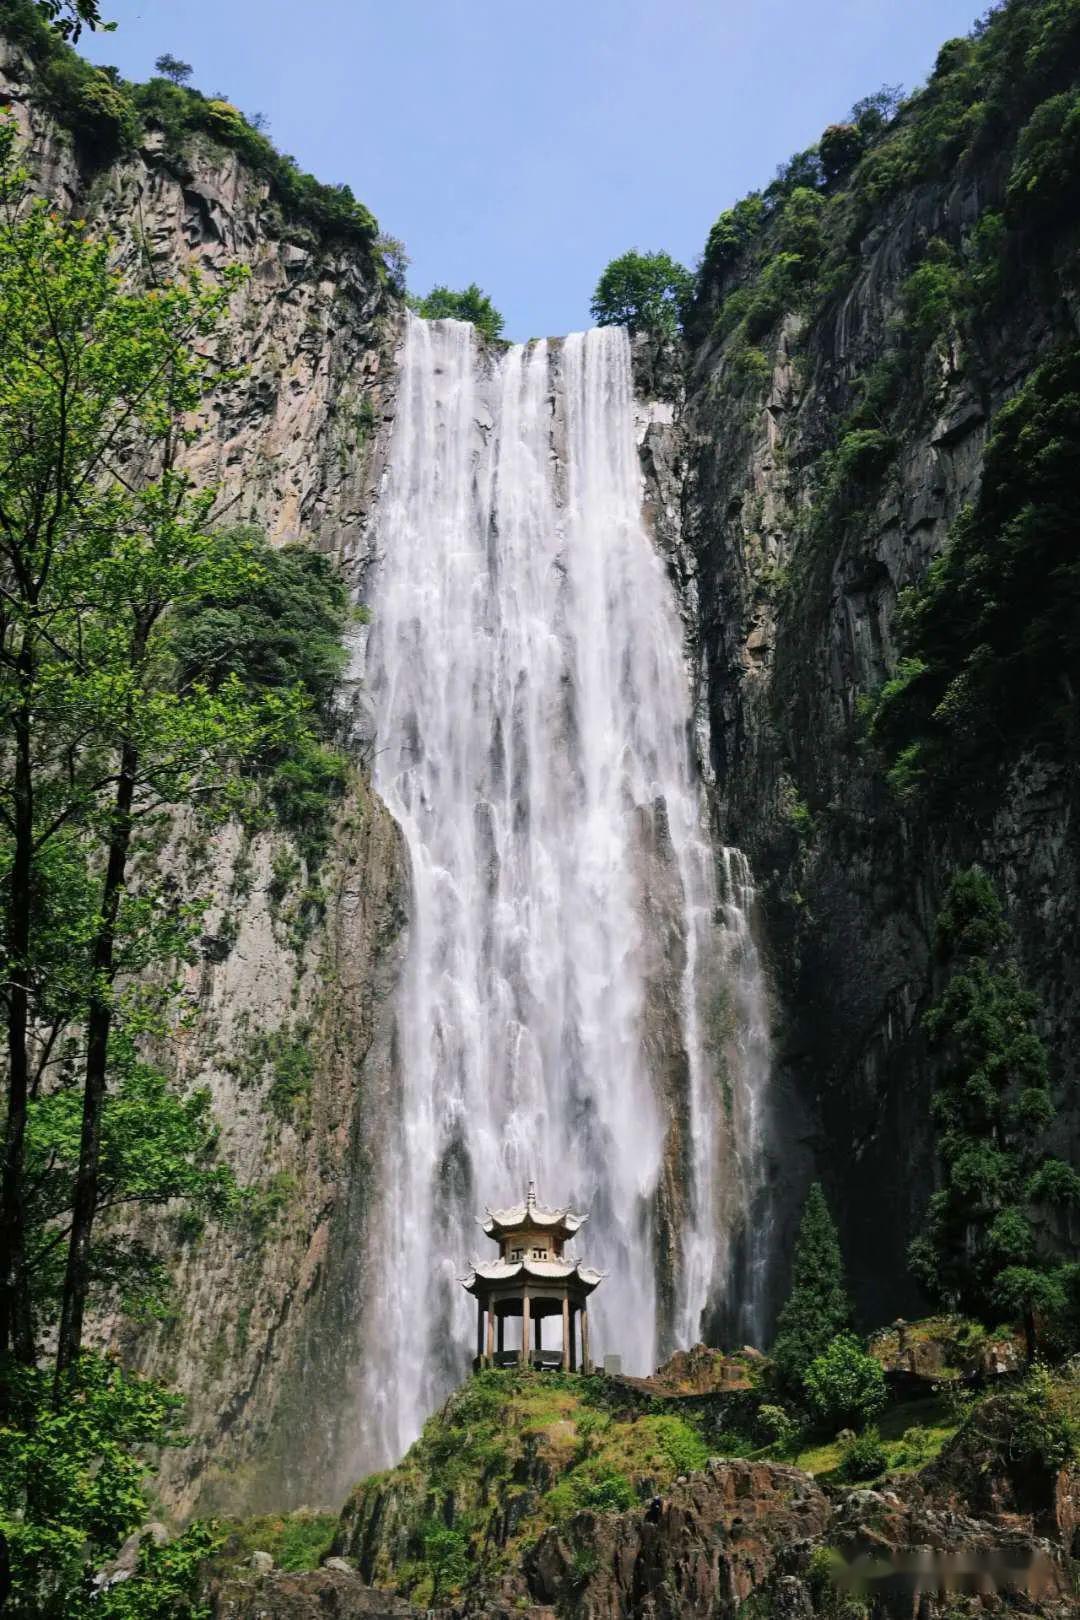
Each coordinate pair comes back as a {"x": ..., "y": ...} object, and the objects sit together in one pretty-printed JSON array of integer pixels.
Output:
[{"x": 523, "y": 143}]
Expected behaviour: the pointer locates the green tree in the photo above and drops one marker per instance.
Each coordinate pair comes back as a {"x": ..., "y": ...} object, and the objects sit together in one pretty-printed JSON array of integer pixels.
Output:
[
  {"x": 988, "y": 1244},
  {"x": 844, "y": 1385},
  {"x": 70, "y": 17},
  {"x": 442, "y": 304},
  {"x": 101, "y": 538},
  {"x": 71, "y": 1490},
  {"x": 840, "y": 148},
  {"x": 170, "y": 67},
  {"x": 818, "y": 1307},
  {"x": 646, "y": 292}
]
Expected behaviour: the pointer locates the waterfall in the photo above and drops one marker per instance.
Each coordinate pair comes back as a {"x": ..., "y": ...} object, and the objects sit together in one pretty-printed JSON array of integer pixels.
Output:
[{"x": 570, "y": 949}]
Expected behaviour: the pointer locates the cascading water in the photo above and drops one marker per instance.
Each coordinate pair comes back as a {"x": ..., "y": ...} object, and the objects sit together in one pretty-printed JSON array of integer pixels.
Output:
[{"x": 568, "y": 950}]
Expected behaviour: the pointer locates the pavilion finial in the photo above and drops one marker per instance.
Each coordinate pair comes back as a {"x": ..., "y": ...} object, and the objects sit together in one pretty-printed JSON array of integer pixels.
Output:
[{"x": 531, "y": 1200}]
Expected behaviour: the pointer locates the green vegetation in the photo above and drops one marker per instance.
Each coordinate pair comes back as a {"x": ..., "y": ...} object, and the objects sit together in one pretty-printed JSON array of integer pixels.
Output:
[
  {"x": 794, "y": 247},
  {"x": 286, "y": 1055},
  {"x": 274, "y": 622},
  {"x": 295, "y": 1541},
  {"x": 911, "y": 1433},
  {"x": 71, "y": 1476},
  {"x": 818, "y": 1307},
  {"x": 844, "y": 1385},
  {"x": 863, "y": 1456},
  {"x": 990, "y": 642},
  {"x": 441, "y": 304},
  {"x": 989, "y": 1244},
  {"x": 68, "y": 18},
  {"x": 646, "y": 292},
  {"x": 542, "y": 1446},
  {"x": 172, "y": 68},
  {"x": 127, "y": 695},
  {"x": 108, "y": 115}
]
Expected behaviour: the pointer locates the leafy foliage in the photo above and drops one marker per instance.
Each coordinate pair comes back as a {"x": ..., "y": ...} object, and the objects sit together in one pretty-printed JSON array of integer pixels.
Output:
[
  {"x": 990, "y": 641},
  {"x": 1044, "y": 179},
  {"x": 987, "y": 1246},
  {"x": 645, "y": 292},
  {"x": 818, "y": 1307},
  {"x": 275, "y": 624},
  {"x": 71, "y": 1478},
  {"x": 844, "y": 1385},
  {"x": 172, "y": 68},
  {"x": 295, "y": 1541},
  {"x": 441, "y": 304},
  {"x": 863, "y": 1456},
  {"x": 1008, "y": 89},
  {"x": 272, "y": 622}
]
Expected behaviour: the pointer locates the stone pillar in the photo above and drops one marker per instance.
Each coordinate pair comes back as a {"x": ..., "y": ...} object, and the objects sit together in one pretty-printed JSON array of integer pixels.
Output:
[
  {"x": 479, "y": 1330},
  {"x": 586, "y": 1364},
  {"x": 573, "y": 1338},
  {"x": 502, "y": 1333},
  {"x": 525, "y": 1328},
  {"x": 566, "y": 1333},
  {"x": 490, "y": 1333}
]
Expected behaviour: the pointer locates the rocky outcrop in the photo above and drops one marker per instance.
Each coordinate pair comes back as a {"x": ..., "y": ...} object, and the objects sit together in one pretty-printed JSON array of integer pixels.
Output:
[
  {"x": 740, "y": 1533},
  {"x": 702, "y": 1549},
  {"x": 295, "y": 965},
  {"x": 325, "y": 1594}
]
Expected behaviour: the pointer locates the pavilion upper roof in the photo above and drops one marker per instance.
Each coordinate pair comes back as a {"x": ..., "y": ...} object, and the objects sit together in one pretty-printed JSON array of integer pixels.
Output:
[{"x": 530, "y": 1215}]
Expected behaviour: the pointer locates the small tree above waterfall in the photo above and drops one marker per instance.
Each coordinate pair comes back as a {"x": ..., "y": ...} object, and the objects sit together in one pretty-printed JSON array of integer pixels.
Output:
[
  {"x": 471, "y": 304},
  {"x": 818, "y": 1307},
  {"x": 646, "y": 292}
]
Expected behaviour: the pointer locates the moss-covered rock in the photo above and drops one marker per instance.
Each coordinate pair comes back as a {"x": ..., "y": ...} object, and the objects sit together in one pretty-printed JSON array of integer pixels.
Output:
[{"x": 511, "y": 1456}]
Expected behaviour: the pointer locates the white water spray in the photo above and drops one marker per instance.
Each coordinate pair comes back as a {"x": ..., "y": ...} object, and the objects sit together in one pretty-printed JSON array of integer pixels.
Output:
[{"x": 535, "y": 746}]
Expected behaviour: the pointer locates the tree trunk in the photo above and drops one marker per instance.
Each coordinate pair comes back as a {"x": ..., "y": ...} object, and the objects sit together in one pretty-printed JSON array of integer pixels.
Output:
[
  {"x": 98, "y": 1027},
  {"x": 16, "y": 1322}
]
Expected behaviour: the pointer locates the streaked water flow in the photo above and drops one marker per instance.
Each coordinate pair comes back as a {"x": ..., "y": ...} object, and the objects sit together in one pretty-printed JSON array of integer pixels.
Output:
[{"x": 568, "y": 945}]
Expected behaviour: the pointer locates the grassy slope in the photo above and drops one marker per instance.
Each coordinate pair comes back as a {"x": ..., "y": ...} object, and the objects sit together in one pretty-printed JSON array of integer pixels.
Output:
[{"x": 512, "y": 1454}]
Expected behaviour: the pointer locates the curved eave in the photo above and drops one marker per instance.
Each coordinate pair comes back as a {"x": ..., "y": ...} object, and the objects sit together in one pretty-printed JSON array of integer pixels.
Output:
[
  {"x": 500, "y": 1223},
  {"x": 497, "y": 1274}
]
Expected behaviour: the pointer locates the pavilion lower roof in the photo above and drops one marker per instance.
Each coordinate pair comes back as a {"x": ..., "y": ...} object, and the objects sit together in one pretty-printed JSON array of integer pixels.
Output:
[{"x": 493, "y": 1273}]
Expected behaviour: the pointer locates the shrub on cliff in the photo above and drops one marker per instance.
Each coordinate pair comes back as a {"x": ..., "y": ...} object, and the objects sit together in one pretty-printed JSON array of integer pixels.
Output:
[
  {"x": 818, "y": 1307},
  {"x": 990, "y": 641},
  {"x": 645, "y": 292},
  {"x": 1045, "y": 177},
  {"x": 844, "y": 1385}
]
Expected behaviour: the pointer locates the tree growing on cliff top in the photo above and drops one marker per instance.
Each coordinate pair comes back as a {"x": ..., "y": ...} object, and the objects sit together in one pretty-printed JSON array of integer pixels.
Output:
[
  {"x": 171, "y": 67},
  {"x": 818, "y": 1307},
  {"x": 471, "y": 304},
  {"x": 646, "y": 292},
  {"x": 988, "y": 1244}
]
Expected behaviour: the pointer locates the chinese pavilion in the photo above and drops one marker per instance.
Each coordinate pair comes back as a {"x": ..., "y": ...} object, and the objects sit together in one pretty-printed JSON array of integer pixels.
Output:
[{"x": 533, "y": 1279}]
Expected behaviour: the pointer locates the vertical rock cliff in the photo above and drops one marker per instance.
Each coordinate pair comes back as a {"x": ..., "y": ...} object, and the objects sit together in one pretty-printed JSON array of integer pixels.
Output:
[{"x": 855, "y": 342}]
